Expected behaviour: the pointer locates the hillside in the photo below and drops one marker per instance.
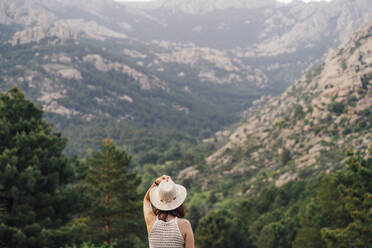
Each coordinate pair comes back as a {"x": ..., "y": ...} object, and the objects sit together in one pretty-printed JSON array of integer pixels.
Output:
[
  {"x": 104, "y": 69},
  {"x": 302, "y": 133},
  {"x": 110, "y": 95}
]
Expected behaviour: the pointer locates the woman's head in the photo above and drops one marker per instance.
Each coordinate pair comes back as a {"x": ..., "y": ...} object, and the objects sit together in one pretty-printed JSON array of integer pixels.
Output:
[
  {"x": 163, "y": 214},
  {"x": 168, "y": 196}
]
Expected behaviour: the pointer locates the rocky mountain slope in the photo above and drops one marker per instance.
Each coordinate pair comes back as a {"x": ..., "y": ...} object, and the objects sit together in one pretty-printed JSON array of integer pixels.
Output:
[
  {"x": 303, "y": 132},
  {"x": 104, "y": 64},
  {"x": 129, "y": 96}
]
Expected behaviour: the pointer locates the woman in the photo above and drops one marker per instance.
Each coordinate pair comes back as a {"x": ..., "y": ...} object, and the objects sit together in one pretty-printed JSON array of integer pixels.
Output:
[{"x": 166, "y": 225}]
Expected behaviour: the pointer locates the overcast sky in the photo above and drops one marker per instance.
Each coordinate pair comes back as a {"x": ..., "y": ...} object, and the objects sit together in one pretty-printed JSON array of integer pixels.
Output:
[{"x": 285, "y": 1}]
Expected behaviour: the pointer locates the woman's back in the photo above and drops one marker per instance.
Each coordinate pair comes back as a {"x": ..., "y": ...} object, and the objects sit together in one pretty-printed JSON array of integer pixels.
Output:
[
  {"x": 165, "y": 223},
  {"x": 166, "y": 234}
]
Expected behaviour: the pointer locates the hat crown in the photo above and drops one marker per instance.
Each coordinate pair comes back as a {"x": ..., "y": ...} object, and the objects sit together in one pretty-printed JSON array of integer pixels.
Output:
[
  {"x": 167, "y": 195},
  {"x": 167, "y": 191}
]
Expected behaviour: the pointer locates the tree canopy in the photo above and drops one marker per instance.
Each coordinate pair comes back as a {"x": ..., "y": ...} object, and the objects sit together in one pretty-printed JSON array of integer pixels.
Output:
[
  {"x": 114, "y": 212},
  {"x": 36, "y": 204}
]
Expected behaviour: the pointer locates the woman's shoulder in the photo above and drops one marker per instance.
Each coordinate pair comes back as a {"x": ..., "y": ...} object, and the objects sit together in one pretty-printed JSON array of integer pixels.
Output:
[{"x": 184, "y": 223}]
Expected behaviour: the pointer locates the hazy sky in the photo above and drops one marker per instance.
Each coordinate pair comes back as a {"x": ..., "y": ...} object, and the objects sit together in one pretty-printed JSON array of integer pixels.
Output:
[{"x": 284, "y": 1}]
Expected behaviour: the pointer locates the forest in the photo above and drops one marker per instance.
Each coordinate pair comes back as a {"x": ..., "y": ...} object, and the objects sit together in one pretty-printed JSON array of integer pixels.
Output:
[{"x": 50, "y": 200}]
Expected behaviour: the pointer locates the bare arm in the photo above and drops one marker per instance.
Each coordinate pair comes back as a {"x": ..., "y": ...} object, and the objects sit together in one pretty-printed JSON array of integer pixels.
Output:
[
  {"x": 147, "y": 208},
  {"x": 189, "y": 237}
]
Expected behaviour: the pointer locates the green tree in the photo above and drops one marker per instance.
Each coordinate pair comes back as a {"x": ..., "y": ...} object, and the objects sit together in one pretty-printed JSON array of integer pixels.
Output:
[
  {"x": 114, "y": 214},
  {"x": 340, "y": 215},
  {"x": 36, "y": 204},
  {"x": 355, "y": 187},
  {"x": 218, "y": 229},
  {"x": 336, "y": 107},
  {"x": 271, "y": 236},
  {"x": 325, "y": 210}
]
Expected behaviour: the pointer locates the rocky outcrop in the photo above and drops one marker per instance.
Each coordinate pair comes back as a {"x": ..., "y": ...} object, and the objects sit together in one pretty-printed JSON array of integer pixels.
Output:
[
  {"x": 91, "y": 29},
  {"x": 134, "y": 54},
  {"x": 62, "y": 71},
  {"x": 310, "y": 26},
  {"x": 39, "y": 21},
  {"x": 214, "y": 66},
  {"x": 25, "y": 12},
  {"x": 36, "y": 34},
  {"x": 126, "y": 98},
  {"x": 145, "y": 81}
]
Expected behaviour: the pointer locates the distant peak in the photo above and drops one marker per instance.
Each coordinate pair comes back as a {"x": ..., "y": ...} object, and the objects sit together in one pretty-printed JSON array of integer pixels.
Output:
[{"x": 205, "y": 6}]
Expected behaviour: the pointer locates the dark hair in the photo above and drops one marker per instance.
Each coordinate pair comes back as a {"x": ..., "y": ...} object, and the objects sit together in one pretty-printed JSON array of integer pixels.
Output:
[{"x": 178, "y": 212}]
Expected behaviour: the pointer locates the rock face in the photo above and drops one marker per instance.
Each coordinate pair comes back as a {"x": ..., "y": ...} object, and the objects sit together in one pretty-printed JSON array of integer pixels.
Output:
[
  {"x": 210, "y": 63},
  {"x": 63, "y": 71},
  {"x": 291, "y": 136},
  {"x": 145, "y": 82},
  {"x": 36, "y": 34},
  {"x": 313, "y": 22},
  {"x": 42, "y": 19}
]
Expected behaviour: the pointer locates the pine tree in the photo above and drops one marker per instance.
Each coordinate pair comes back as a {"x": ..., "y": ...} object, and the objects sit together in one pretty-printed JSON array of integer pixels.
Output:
[
  {"x": 35, "y": 204},
  {"x": 114, "y": 215},
  {"x": 219, "y": 229},
  {"x": 341, "y": 213},
  {"x": 355, "y": 186}
]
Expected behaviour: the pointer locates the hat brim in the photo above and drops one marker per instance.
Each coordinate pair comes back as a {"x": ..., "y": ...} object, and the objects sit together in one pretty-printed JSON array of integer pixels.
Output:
[{"x": 155, "y": 201}]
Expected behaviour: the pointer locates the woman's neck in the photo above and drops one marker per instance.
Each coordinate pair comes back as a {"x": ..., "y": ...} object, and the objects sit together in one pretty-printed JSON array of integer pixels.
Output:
[{"x": 166, "y": 217}]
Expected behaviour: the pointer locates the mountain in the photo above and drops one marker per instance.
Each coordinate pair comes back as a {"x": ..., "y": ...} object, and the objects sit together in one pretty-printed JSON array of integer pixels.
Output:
[
  {"x": 280, "y": 40},
  {"x": 302, "y": 133},
  {"x": 145, "y": 75}
]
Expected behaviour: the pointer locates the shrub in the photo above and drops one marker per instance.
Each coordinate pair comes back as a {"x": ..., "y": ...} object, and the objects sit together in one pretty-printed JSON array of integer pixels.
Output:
[
  {"x": 346, "y": 131},
  {"x": 309, "y": 108},
  {"x": 285, "y": 156},
  {"x": 299, "y": 112},
  {"x": 352, "y": 100},
  {"x": 362, "y": 124},
  {"x": 343, "y": 121},
  {"x": 317, "y": 129},
  {"x": 343, "y": 64},
  {"x": 365, "y": 80},
  {"x": 328, "y": 119},
  {"x": 336, "y": 107}
]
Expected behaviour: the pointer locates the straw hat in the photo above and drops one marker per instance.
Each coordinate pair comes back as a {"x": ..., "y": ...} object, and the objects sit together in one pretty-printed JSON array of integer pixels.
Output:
[{"x": 168, "y": 195}]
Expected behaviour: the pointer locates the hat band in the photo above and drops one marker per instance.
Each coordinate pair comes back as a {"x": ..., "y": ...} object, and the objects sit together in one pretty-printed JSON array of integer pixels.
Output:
[{"x": 165, "y": 201}]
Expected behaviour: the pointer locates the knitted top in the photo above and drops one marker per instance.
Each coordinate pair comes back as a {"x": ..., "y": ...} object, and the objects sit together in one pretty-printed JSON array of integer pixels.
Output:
[{"x": 166, "y": 235}]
